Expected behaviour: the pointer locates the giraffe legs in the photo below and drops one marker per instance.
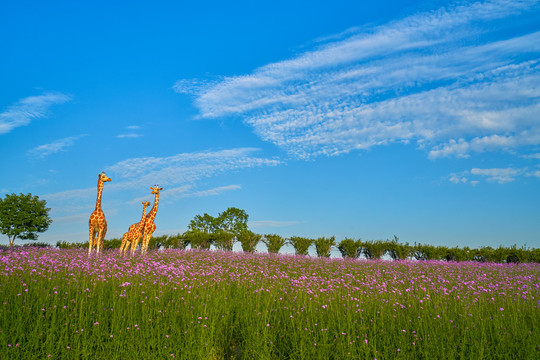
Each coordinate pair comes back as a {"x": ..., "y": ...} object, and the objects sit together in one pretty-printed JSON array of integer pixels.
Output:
[
  {"x": 135, "y": 243},
  {"x": 101, "y": 236},
  {"x": 91, "y": 239},
  {"x": 125, "y": 244},
  {"x": 146, "y": 239}
]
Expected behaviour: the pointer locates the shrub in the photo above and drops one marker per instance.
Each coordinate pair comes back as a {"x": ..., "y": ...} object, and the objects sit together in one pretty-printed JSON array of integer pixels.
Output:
[
  {"x": 66, "y": 245},
  {"x": 396, "y": 250},
  {"x": 199, "y": 239},
  {"x": 350, "y": 248},
  {"x": 178, "y": 241},
  {"x": 373, "y": 250},
  {"x": 249, "y": 240},
  {"x": 323, "y": 246},
  {"x": 455, "y": 253},
  {"x": 425, "y": 252},
  {"x": 38, "y": 244},
  {"x": 112, "y": 243},
  {"x": 273, "y": 242},
  {"x": 301, "y": 244},
  {"x": 223, "y": 240}
]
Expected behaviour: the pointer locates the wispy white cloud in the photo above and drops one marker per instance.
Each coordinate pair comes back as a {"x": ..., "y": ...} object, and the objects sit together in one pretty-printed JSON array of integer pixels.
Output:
[
  {"x": 186, "y": 167},
  {"x": 129, "y": 136},
  {"x": 186, "y": 191},
  {"x": 64, "y": 195},
  {"x": 28, "y": 109},
  {"x": 531, "y": 156},
  {"x": 44, "y": 150},
  {"x": 177, "y": 174},
  {"x": 216, "y": 191},
  {"x": 443, "y": 78},
  {"x": 498, "y": 175}
]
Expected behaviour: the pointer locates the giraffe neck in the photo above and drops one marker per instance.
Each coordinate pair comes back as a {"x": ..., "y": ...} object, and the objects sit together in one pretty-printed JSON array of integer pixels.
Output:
[
  {"x": 143, "y": 214},
  {"x": 99, "y": 191},
  {"x": 153, "y": 211}
]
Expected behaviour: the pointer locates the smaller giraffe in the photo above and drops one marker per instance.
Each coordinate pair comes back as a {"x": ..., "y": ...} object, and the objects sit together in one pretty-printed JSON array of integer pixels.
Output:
[
  {"x": 97, "y": 224},
  {"x": 149, "y": 225},
  {"x": 135, "y": 231}
]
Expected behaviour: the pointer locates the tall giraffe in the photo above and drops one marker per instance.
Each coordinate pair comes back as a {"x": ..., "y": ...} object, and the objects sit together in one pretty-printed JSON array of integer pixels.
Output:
[
  {"x": 149, "y": 225},
  {"x": 134, "y": 232},
  {"x": 97, "y": 223}
]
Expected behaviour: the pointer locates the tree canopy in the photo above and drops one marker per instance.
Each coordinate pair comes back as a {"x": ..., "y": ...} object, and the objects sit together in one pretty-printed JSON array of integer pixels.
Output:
[
  {"x": 23, "y": 216},
  {"x": 232, "y": 220}
]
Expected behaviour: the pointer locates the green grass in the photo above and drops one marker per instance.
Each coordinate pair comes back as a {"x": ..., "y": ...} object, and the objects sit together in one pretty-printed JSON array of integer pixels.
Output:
[{"x": 58, "y": 304}]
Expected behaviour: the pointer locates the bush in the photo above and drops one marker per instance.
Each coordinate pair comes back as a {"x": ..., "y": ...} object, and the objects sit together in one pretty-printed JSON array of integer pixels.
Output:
[
  {"x": 199, "y": 239},
  {"x": 273, "y": 242},
  {"x": 112, "y": 244},
  {"x": 38, "y": 244},
  {"x": 66, "y": 245},
  {"x": 301, "y": 244},
  {"x": 323, "y": 246},
  {"x": 223, "y": 240},
  {"x": 396, "y": 250},
  {"x": 425, "y": 252},
  {"x": 373, "y": 250},
  {"x": 455, "y": 253},
  {"x": 350, "y": 248},
  {"x": 249, "y": 240},
  {"x": 178, "y": 241}
]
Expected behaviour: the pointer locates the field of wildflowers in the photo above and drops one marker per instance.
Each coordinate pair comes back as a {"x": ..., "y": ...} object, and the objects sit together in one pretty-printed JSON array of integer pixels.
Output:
[{"x": 197, "y": 304}]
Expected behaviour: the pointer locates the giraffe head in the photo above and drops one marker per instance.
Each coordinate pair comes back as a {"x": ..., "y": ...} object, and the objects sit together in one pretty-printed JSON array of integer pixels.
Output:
[
  {"x": 103, "y": 178},
  {"x": 146, "y": 203},
  {"x": 155, "y": 189}
]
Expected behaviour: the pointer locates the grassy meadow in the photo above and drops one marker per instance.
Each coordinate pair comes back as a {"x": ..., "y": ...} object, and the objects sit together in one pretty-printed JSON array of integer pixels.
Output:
[{"x": 197, "y": 304}]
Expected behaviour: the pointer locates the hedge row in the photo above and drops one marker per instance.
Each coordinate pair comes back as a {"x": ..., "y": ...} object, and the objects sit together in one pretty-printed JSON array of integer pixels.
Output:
[{"x": 349, "y": 248}]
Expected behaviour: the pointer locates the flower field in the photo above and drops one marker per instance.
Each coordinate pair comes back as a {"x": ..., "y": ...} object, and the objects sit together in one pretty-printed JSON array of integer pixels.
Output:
[{"x": 196, "y": 304}]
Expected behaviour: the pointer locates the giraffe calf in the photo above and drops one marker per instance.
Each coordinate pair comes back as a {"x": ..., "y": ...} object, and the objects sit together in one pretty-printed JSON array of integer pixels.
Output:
[{"x": 134, "y": 232}]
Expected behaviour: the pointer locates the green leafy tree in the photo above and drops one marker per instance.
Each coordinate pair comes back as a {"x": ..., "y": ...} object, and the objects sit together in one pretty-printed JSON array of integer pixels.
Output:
[
  {"x": 301, "y": 244},
  {"x": 23, "y": 216},
  {"x": 249, "y": 240},
  {"x": 323, "y": 246},
  {"x": 232, "y": 220},
  {"x": 203, "y": 223},
  {"x": 350, "y": 248},
  {"x": 273, "y": 242}
]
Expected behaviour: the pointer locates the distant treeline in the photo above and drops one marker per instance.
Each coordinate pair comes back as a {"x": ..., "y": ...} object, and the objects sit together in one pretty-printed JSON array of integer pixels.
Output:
[{"x": 349, "y": 248}]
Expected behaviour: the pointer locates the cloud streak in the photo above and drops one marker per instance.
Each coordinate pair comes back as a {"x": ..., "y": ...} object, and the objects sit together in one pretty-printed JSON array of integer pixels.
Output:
[
  {"x": 444, "y": 79},
  {"x": 28, "y": 109},
  {"x": 186, "y": 167},
  {"x": 44, "y": 150},
  {"x": 498, "y": 175},
  {"x": 177, "y": 174}
]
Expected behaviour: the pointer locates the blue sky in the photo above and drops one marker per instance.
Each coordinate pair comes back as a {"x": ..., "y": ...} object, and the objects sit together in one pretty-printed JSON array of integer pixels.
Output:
[{"x": 419, "y": 119}]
